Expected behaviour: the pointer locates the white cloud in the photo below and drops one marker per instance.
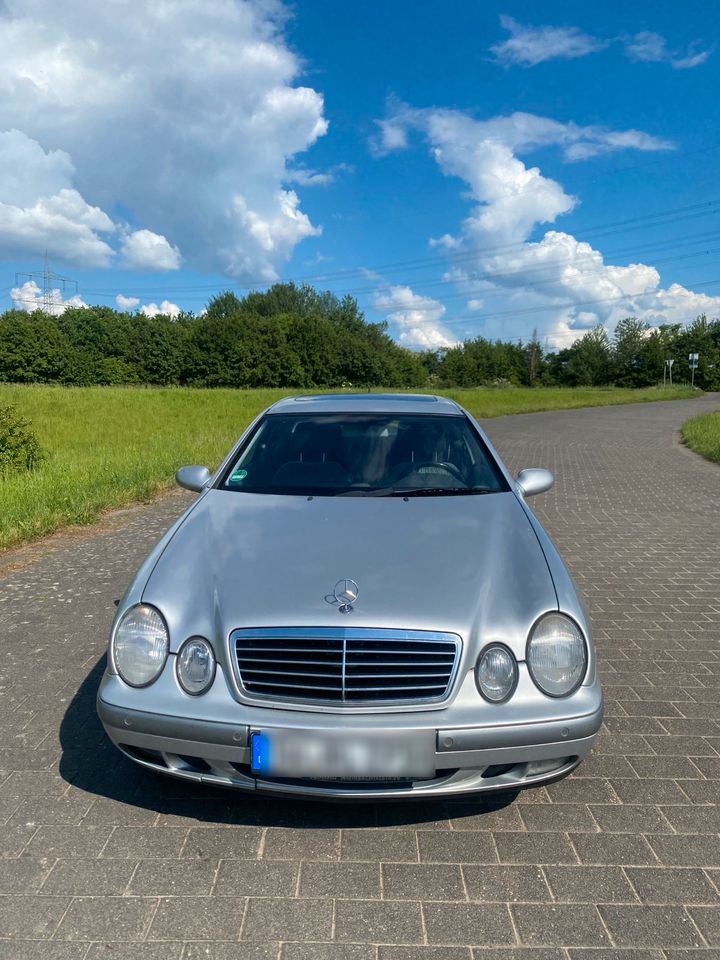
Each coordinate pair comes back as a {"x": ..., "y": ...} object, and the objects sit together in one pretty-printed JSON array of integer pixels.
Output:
[
  {"x": 126, "y": 303},
  {"x": 520, "y": 132},
  {"x": 186, "y": 115},
  {"x": 29, "y": 297},
  {"x": 145, "y": 250},
  {"x": 529, "y": 46},
  {"x": 317, "y": 178},
  {"x": 417, "y": 318},
  {"x": 167, "y": 308},
  {"x": 64, "y": 226},
  {"x": 492, "y": 257},
  {"x": 649, "y": 47}
]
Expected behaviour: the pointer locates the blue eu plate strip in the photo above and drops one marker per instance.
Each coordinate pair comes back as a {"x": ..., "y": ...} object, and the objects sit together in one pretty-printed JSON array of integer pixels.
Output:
[{"x": 260, "y": 752}]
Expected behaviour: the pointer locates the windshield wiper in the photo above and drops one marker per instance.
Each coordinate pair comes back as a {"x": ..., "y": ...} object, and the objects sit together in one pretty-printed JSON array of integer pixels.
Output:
[{"x": 438, "y": 491}]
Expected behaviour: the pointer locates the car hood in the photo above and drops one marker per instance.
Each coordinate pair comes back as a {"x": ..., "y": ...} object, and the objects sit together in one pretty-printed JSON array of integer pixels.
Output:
[{"x": 471, "y": 565}]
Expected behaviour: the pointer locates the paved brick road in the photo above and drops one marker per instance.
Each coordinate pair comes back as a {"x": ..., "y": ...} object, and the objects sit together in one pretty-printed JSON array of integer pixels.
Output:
[{"x": 620, "y": 860}]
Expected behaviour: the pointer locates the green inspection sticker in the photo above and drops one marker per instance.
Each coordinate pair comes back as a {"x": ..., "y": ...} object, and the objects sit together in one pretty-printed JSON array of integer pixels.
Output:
[{"x": 238, "y": 475}]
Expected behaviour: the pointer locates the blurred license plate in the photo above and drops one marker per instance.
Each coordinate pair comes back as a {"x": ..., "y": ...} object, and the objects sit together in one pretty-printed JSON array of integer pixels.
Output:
[{"x": 313, "y": 754}]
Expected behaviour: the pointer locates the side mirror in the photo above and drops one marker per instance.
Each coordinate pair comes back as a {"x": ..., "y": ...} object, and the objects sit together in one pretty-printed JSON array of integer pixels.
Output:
[
  {"x": 192, "y": 478},
  {"x": 534, "y": 480}
]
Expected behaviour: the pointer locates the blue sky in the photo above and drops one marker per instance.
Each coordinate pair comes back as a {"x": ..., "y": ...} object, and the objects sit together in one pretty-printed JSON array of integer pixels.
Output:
[{"x": 461, "y": 168}]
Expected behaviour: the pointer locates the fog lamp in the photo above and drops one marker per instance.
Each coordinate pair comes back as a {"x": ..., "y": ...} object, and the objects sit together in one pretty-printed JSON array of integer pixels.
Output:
[
  {"x": 195, "y": 666},
  {"x": 496, "y": 673}
]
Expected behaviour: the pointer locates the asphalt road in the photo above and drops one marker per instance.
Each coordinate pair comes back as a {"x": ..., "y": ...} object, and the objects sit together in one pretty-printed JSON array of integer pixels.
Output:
[{"x": 621, "y": 860}]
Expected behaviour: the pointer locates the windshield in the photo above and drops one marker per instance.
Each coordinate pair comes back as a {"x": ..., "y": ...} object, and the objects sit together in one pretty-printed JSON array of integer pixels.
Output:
[{"x": 364, "y": 455}]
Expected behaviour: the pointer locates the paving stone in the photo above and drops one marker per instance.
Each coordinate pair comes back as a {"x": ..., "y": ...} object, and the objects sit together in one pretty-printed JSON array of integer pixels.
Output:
[
  {"x": 613, "y": 849},
  {"x": 31, "y": 918},
  {"x": 286, "y": 844},
  {"x": 358, "y": 881},
  {"x": 707, "y": 920},
  {"x": 534, "y": 848},
  {"x": 229, "y": 950},
  {"x": 688, "y": 850},
  {"x": 376, "y": 921},
  {"x": 561, "y": 924},
  {"x": 631, "y": 818},
  {"x": 468, "y": 923},
  {"x": 41, "y": 950},
  {"x": 106, "y": 918},
  {"x": 424, "y": 953},
  {"x": 457, "y": 847},
  {"x": 379, "y": 845},
  {"x": 558, "y": 817},
  {"x": 164, "y": 878},
  {"x": 143, "y": 842},
  {"x": 257, "y": 878},
  {"x": 215, "y": 918},
  {"x": 649, "y": 791},
  {"x": 170, "y": 950},
  {"x": 327, "y": 951},
  {"x": 479, "y": 817},
  {"x": 436, "y": 881},
  {"x": 650, "y": 926},
  {"x": 88, "y": 877},
  {"x": 14, "y": 839},
  {"x": 24, "y": 875},
  {"x": 276, "y": 919},
  {"x": 522, "y": 953},
  {"x": 624, "y": 954},
  {"x": 507, "y": 884},
  {"x": 590, "y": 884},
  {"x": 51, "y": 810},
  {"x": 67, "y": 841},
  {"x": 222, "y": 842},
  {"x": 698, "y": 819},
  {"x": 669, "y": 885}
]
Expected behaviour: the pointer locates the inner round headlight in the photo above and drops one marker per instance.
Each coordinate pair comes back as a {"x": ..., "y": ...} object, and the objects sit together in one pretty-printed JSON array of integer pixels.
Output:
[
  {"x": 557, "y": 655},
  {"x": 195, "y": 665},
  {"x": 496, "y": 673},
  {"x": 140, "y": 645}
]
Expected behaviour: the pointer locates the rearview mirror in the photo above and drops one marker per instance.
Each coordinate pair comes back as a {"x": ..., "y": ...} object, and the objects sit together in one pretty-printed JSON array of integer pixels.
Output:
[
  {"x": 192, "y": 478},
  {"x": 534, "y": 480}
]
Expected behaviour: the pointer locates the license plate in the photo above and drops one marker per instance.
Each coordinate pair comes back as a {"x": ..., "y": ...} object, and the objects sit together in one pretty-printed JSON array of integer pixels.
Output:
[{"x": 396, "y": 754}]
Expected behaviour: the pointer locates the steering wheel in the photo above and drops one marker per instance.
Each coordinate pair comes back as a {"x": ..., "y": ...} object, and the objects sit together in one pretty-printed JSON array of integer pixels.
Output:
[{"x": 442, "y": 467}]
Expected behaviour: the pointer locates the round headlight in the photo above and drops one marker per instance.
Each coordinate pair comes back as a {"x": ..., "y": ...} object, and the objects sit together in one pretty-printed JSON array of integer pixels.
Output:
[
  {"x": 195, "y": 664},
  {"x": 496, "y": 673},
  {"x": 140, "y": 645},
  {"x": 557, "y": 655}
]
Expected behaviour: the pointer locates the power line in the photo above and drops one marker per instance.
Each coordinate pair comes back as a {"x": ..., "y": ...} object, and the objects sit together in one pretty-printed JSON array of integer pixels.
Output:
[
  {"x": 672, "y": 216},
  {"x": 531, "y": 273},
  {"x": 475, "y": 317}
]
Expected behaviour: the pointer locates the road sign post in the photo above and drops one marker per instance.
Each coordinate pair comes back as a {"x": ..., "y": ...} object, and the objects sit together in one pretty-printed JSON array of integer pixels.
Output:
[{"x": 693, "y": 361}]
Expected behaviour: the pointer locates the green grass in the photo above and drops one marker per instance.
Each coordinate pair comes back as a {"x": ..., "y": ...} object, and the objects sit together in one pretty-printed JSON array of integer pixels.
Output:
[
  {"x": 109, "y": 446},
  {"x": 702, "y": 434}
]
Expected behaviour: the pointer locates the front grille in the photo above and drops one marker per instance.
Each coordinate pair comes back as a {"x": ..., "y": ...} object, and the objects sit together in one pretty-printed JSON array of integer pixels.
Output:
[{"x": 345, "y": 665}]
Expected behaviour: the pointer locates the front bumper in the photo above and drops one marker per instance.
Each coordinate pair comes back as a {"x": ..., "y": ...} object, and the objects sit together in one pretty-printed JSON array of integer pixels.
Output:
[{"x": 469, "y": 757}]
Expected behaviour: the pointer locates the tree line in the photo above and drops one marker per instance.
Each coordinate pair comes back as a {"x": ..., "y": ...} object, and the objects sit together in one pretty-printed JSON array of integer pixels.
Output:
[{"x": 296, "y": 336}]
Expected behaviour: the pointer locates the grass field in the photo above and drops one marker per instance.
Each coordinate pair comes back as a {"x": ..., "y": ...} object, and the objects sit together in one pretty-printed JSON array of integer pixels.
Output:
[
  {"x": 702, "y": 434},
  {"x": 108, "y": 446}
]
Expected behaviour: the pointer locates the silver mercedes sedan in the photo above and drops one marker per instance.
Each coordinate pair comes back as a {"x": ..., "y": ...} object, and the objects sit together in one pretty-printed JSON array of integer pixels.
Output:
[{"x": 358, "y": 604}]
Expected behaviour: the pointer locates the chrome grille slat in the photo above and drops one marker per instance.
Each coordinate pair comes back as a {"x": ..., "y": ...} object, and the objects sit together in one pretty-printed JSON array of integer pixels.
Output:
[{"x": 346, "y": 666}]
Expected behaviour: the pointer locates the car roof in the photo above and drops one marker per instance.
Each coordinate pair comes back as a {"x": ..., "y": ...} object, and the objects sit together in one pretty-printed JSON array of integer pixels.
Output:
[{"x": 368, "y": 403}]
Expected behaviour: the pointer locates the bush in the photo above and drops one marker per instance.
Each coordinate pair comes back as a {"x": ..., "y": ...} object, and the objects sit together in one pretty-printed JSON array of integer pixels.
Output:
[{"x": 19, "y": 447}]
